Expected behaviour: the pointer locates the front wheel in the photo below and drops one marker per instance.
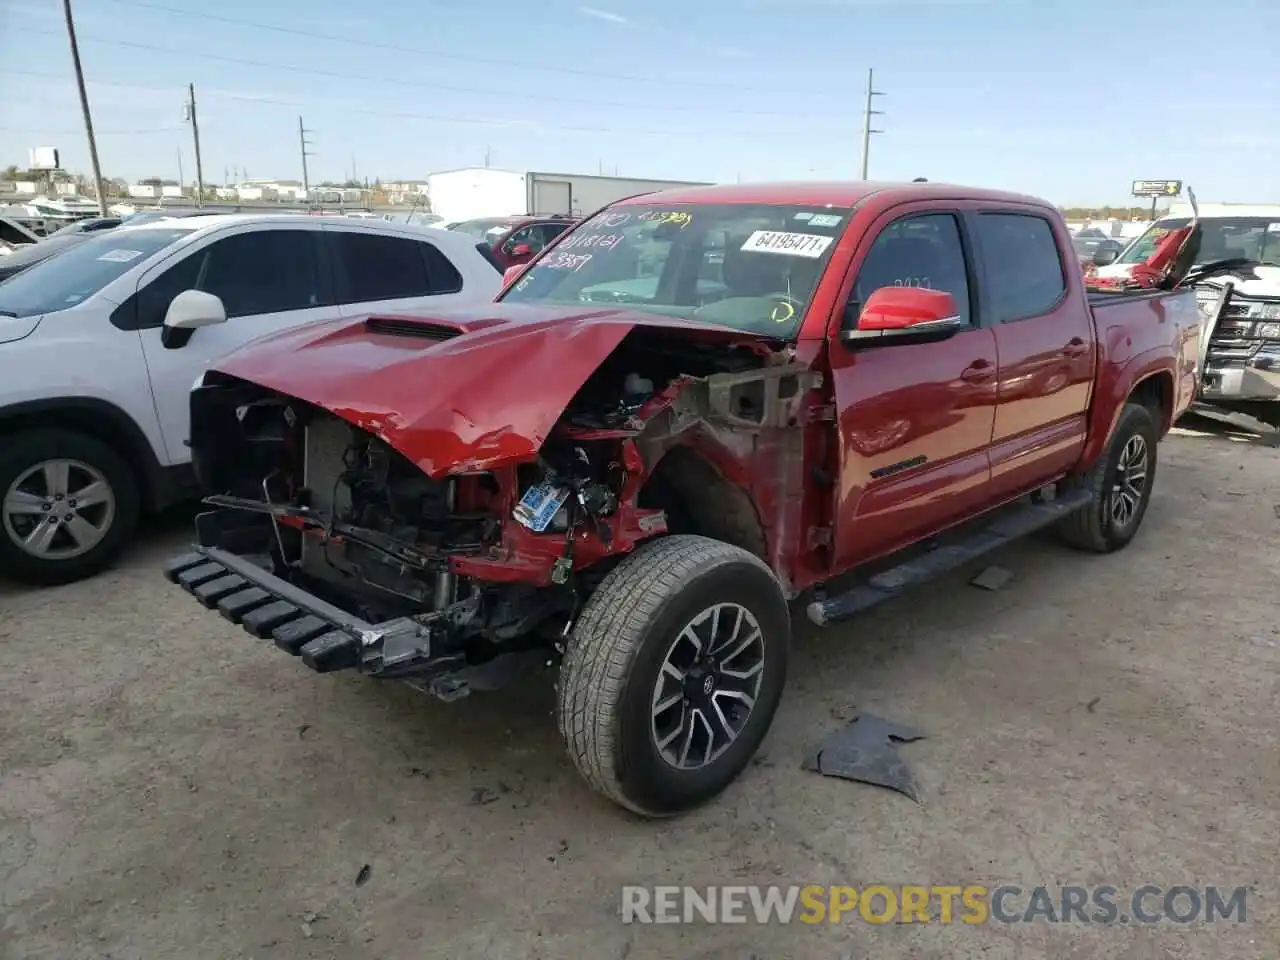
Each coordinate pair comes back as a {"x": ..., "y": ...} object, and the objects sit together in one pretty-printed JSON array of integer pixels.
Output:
[
  {"x": 1120, "y": 482},
  {"x": 68, "y": 506},
  {"x": 673, "y": 673}
]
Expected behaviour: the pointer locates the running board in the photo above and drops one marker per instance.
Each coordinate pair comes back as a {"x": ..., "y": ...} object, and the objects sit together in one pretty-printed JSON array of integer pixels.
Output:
[{"x": 1013, "y": 524}]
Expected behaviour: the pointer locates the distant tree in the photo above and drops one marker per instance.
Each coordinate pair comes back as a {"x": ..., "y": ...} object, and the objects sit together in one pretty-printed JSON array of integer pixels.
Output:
[{"x": 9, "y": 173}]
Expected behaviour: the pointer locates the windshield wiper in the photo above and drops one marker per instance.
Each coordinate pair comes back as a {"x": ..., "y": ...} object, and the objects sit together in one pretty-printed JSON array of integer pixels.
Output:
[{"x": 7, "y": 313}]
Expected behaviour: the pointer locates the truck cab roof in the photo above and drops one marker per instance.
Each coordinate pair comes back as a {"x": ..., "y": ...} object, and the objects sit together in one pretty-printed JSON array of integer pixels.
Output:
[{"x": 838, "y": 193}]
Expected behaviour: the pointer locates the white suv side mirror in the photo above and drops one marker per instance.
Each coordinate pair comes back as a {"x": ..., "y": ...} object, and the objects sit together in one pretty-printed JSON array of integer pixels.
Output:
[{"x": 189, "y": 311}]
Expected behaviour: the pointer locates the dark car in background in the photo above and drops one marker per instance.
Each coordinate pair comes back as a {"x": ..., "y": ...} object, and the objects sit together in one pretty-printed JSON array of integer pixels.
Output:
[
  {"x": 88, "y": 225},
  {"x": 1092, "y": 245}
]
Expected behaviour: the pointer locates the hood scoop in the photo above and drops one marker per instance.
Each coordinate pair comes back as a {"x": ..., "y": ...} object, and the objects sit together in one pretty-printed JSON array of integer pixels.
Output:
[{"x": 411, "y": 327}]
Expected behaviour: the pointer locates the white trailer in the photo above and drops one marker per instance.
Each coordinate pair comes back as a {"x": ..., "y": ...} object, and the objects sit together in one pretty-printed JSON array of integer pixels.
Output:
[
  {"x": 474, "y": 192},
  {"x": 581, "y": 194}
]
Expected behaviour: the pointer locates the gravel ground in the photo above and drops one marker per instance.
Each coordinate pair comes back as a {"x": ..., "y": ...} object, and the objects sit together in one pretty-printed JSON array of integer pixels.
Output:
[{"x": 170, "y": 789}]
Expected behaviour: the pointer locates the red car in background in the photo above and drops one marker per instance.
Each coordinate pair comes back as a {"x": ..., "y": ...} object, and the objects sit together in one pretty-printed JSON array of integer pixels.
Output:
[{"x": 515, "y": 240}]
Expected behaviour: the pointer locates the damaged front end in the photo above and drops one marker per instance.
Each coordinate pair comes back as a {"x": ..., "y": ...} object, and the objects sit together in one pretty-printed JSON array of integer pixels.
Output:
[{"x": 344, "y": 550}]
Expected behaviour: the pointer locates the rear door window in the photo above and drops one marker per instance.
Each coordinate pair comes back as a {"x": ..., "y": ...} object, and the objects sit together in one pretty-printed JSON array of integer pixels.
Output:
[
  {"x": 373, "y": 267},
  {"x": 1024, "y": 272}
]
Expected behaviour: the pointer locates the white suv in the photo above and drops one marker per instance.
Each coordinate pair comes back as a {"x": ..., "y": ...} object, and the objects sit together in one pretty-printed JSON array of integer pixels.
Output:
[{"x": 100, "y": 344}]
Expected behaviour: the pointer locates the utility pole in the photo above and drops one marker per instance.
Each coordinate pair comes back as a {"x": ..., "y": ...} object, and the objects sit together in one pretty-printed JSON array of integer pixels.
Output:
[
  {"x": 303, "y": 143},
  {"x": 190, "y": 112},
  {"x": 84, "y": 106},
  {"x": 181, "y": 181},
  {"x": 868, "y": 113}
]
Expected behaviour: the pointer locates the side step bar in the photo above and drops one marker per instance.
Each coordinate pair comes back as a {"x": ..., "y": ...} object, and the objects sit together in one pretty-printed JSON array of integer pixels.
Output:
[{"x": 1013, "y": 524}]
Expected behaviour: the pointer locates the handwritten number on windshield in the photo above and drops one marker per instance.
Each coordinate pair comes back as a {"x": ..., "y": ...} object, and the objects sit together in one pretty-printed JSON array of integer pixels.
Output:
[
  {"x": 681, "y": 218},
  {"x": 566, "y": 261}
]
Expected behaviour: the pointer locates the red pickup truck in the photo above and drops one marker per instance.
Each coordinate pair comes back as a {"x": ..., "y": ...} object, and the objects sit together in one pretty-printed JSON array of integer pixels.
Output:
[{"x": 692, "y": 409}]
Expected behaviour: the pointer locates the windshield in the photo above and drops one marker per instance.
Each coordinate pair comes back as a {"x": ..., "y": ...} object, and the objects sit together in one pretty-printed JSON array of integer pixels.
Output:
[
  {"x": 1221, "y": 238},
  {"x": 749, "y": 266},
  {"x": 479, "y": 229},
  {"x": 80, "y": 271}
]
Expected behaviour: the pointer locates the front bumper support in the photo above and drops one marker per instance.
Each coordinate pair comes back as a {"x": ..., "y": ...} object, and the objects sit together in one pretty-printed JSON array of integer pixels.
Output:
[
  {"x": 328, "y": 638},
  {"x": 267, "y": 607}
]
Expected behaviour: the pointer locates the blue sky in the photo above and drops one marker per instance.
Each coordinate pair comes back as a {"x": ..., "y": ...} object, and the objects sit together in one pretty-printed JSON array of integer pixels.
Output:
[{"x": 1068, "y": 100}]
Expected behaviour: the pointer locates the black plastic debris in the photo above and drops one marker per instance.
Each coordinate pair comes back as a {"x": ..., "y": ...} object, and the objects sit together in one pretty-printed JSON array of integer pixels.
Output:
[
  {"x": 363, "y": 876},
  {"x": 867, "y": 751},
  {"x": 992, "y": 578}
]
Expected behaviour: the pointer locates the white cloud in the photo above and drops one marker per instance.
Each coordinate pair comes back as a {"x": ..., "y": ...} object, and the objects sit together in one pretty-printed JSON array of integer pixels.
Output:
[{"x": 604, "y": 15}]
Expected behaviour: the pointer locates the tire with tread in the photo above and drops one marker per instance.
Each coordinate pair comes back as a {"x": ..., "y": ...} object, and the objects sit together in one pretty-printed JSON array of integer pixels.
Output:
[
  {"x": 617, "y": 648},
  {"x": 1092, "y": 527},
  {"x": 21, "y": 451}
]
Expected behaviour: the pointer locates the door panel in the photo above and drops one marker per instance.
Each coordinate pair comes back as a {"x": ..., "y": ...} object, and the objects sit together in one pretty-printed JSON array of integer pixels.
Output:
[
  {"x": 914, "y": 440},
  {"x": 915, "y": 419},
  {"x": 1045, "y": 340},
  {"x": 274, "y": 271}
]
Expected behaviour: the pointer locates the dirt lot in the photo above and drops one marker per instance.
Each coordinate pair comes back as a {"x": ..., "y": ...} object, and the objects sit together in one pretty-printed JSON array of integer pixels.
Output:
[{"x": 170, "y": 789}]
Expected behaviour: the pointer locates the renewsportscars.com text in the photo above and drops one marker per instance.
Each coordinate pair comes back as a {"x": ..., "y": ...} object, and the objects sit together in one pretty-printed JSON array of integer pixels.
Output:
[{"x": 971, "y": 904}]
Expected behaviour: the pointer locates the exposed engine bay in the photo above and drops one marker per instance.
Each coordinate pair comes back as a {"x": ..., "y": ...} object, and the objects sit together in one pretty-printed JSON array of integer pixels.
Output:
[{"x": 472, "y": 564}]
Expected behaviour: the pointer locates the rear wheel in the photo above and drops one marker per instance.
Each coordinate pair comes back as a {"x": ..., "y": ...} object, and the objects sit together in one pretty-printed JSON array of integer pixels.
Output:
[
  {"x": 1121, "y": 483},
  {"x": 68, "y": 506},
  {"x": 673, "y": 673}
]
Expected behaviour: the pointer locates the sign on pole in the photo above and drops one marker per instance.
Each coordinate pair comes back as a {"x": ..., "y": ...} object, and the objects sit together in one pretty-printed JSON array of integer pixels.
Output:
[{"x": 1157, "y": 188}]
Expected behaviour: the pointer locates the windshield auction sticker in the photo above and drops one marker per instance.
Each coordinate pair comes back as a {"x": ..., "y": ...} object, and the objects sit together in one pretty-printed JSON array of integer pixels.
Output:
[
  {"x": 810, "y": 245},
  {"x": 120, "y": 256}
]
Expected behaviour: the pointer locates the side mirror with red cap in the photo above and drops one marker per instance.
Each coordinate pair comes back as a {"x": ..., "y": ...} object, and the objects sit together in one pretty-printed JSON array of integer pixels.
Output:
[{"x": 912, "y": 313}]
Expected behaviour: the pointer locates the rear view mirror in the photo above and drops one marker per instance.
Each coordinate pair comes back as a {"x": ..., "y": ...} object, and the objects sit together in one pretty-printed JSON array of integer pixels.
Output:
[
  {"x": 189, "y": 311},
  {"x": 915, "y": 312},
  {"x": 521, "y": 250}
]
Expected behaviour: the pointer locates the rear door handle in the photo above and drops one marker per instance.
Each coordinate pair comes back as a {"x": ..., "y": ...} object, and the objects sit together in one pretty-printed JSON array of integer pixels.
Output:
[
  {"x": 1075, "y": 348},
  {"x": 979, "y": 371}
]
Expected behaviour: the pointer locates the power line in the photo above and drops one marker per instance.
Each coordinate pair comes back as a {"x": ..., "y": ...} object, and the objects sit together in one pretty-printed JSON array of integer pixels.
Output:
[
  {"x": 416, "y": 84},
  {"x": 441, "y": 118},
  {"x": 96, "y": 133},
  {"x": 442, "y": 55}
]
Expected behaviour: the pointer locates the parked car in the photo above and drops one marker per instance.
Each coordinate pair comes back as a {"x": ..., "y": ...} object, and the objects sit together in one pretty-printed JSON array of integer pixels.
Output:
[
  {"x": 13, "y": 235},
  {"x": 88, "y": 225},
  {"x": 514, "y": 240},
  {"x": 100, "y": 345},
  {"x": 1093, "y": 246},
  {"x": 627, "y": 467},
  {"x": 155, "y": 216}
]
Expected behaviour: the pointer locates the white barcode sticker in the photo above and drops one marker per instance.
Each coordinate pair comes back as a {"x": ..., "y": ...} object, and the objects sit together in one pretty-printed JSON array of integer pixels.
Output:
[{"x": 810, "y": 245}]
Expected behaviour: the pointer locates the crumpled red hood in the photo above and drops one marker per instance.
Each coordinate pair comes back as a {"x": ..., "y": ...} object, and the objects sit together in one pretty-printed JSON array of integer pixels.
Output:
[{"x": 486, "y": 393}]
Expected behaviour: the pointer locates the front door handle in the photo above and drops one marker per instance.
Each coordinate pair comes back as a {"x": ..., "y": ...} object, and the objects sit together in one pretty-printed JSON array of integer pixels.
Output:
[
  {"x": 980, "y": 371},
  {"x": 1075, "y": 348}
]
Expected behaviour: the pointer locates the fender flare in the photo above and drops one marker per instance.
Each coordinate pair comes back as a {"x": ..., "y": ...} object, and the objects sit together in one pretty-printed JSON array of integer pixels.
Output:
[{"x": 1137, "y": 370}]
